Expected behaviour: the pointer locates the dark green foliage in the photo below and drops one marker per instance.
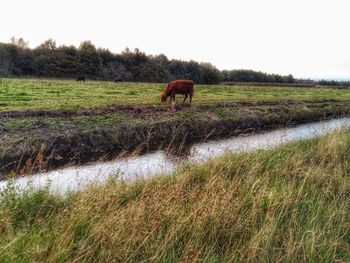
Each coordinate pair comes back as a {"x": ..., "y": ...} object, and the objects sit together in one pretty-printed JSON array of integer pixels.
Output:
[
  {"x": 48, "y": 60},
  {"x": 2, "y": 60},
  {"x": 244, "y": 75},
  {"x": 210, "y": 73},
  {"x": 89, "y": 59},
  {"x": 333, "y": 83}
]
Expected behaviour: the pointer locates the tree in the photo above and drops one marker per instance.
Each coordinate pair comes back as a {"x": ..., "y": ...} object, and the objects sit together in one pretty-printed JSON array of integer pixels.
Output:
[
  {"x": 19, "y": 42},
  {"x": 3, "y": 55},
  {"x": 160, "y": 59},
  {"x": 47, "y": 46},
  {"x": 68, "y": 50},
  {"x": 211, "y": 75},
  {"x": 11, "y": 56},
  {"x": 89, "y": 58},
  {"x": 105, "y": 55},
  {"x": 149, "y": 72},
  {"x": 67, "y": 61}
]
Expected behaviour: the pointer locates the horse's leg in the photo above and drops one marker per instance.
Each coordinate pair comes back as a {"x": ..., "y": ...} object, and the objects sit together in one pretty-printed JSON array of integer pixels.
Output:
[
  {"x": 186, "y": 95},
  {"x": 191, "y": 95},
  {"x": 173, "y": 101}
]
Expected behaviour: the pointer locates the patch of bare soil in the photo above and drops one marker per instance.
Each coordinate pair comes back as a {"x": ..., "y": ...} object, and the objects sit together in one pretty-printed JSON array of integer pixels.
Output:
[{"x": 142, "y": 109}]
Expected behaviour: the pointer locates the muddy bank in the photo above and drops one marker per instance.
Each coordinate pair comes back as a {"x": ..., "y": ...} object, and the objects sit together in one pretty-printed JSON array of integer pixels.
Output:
[
  {"x": 50, "y": 149},
  {"x": 139, "y": 110}
]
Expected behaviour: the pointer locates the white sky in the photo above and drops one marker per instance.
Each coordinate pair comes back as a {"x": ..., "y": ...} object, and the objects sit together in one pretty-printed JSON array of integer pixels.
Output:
[{"x": 308, "y": 38}]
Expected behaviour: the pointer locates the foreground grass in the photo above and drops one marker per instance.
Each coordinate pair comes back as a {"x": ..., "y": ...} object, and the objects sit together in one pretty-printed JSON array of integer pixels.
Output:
[
  {"x": 24, "y": 94},
  {"x": 290, "y": 204}
]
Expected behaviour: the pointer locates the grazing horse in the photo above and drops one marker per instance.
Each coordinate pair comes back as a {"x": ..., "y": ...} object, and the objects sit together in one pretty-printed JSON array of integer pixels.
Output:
[
  {"x": 118, "y": 80},
  {"x": 178, "y": 87},
  {"x": 81, "y": 78}
]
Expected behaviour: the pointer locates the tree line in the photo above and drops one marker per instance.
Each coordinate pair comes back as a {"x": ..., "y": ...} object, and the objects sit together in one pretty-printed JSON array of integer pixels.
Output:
[{"x": 50, "y": 60}]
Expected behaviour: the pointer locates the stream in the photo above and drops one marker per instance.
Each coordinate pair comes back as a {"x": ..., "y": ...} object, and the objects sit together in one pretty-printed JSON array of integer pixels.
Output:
[{"x": 75, "y": 178}]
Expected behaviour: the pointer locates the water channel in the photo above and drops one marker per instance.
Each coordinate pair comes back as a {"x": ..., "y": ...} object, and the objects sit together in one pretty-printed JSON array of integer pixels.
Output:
[{"x": 75, "y": 178}]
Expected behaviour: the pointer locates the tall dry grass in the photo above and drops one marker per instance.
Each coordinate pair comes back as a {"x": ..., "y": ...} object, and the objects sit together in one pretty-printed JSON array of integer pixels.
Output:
[{"x": 286, "y": 205}]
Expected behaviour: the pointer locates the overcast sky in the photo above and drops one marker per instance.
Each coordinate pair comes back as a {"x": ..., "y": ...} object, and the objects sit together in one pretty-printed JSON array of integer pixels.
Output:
[{"x": 308, "y": 38}]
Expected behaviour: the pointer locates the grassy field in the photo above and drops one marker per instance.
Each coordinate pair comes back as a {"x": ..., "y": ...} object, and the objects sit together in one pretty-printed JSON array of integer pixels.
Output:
[
  {"x": 50, "y": 123},
  {"x": 24, "y": 94},
  {"x": 285, "y": 205},
  {"x": 290, "y": 204}
]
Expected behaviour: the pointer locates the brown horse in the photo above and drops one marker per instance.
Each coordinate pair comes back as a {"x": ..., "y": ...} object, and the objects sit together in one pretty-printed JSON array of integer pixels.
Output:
[{"x": 178, "y": 87}]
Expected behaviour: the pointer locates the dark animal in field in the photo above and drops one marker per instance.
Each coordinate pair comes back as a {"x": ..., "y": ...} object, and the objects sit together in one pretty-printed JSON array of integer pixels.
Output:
[
  {"x": 81, "y": 78},
  {"x": 118, "y": 80},
  {"x": 185, "y": 87}
]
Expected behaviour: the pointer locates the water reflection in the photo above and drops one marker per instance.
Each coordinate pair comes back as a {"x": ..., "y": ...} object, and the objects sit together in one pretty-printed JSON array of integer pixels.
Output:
[{"x": 73, "y": 178}]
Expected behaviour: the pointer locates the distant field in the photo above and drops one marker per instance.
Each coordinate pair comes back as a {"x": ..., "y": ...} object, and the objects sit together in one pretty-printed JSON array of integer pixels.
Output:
[{"x": 25, "y": 94}]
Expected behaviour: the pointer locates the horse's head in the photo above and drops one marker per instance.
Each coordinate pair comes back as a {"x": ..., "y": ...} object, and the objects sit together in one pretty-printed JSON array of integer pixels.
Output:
[{"x": 163, "y": 97}]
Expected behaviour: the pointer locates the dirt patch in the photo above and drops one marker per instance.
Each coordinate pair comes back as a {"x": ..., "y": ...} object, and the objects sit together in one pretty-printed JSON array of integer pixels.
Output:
[{"x": 139, "y": 110}]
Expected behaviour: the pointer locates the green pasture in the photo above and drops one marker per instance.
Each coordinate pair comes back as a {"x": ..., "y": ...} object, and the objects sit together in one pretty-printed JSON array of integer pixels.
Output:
[{"x": 30, "y": 94}]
